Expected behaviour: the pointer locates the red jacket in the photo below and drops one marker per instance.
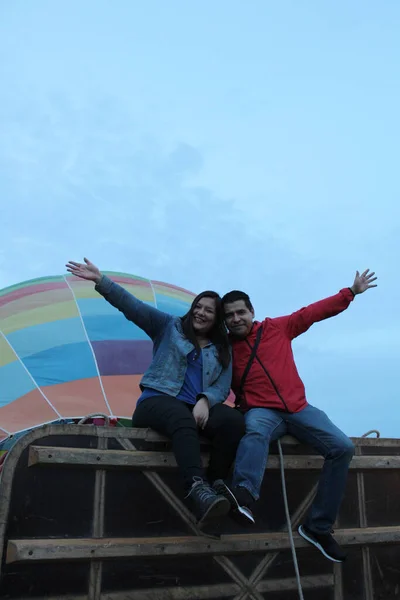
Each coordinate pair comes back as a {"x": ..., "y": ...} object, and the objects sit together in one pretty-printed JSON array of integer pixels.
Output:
[{"x": 273, "y": 380}]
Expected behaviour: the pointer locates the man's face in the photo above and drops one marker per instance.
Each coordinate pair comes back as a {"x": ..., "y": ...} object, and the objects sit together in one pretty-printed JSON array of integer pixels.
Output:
[{"x": 238, "y": 318}]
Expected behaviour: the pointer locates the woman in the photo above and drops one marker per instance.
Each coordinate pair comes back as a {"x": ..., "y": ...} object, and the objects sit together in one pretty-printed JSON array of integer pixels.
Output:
[{"x": 184, "y": 387}]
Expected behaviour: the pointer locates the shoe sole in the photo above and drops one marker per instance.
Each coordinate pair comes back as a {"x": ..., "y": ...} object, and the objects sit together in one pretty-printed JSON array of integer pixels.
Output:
[
  {"x": 239, "y": 513},
  {"x": 317, "y": 545},
  {"x": 219, "y": 508}
]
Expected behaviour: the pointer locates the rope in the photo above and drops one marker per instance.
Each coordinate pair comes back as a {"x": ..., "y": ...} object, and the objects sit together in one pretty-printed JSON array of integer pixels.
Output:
[
  {"x": 287, "y": 513},
  {"x": 289, "y": 523},
  {"x": 93, "y": 416},
  {"x": 378, "y": 433},
  {"x": 89, "y": 342}
]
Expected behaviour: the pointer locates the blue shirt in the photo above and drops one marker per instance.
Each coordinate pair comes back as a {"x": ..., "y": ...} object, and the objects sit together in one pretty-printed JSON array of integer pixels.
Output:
[{"x": 192, "y": 383}]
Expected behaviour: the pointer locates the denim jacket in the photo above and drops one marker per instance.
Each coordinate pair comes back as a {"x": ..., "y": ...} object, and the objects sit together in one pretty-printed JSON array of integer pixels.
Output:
[{"x": 170, "y": 347}]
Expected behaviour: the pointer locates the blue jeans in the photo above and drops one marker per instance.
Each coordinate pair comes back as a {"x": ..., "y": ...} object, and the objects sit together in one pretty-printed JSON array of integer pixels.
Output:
[{"x": 310, "y": 426}]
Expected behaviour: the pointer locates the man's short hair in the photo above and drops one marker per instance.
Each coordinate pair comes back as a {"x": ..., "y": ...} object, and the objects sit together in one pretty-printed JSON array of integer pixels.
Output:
[{"x": 236, "y": 295}]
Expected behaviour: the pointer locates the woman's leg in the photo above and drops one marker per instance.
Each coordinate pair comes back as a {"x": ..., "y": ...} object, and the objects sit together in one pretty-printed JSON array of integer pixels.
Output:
[
  {"x": 225, "y": 428},
  {"x": 173, "y": 418}
]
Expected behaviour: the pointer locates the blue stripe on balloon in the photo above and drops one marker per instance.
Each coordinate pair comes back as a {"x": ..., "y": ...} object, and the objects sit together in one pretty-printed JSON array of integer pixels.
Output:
[
  {"x": 91, "y": 307},
  {"x": 38, "y": 338},
  {"x": 172, "y": 306},
  {"x": 14, "y": 382},
  {"x": 43, "y": 336},
  {"x": 62, "y": 364},
  {"x": 112, "y": 327}
]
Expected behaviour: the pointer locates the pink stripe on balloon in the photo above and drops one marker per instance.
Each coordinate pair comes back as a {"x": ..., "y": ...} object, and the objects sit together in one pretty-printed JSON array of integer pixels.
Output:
[{"x": 31, "y": 289}]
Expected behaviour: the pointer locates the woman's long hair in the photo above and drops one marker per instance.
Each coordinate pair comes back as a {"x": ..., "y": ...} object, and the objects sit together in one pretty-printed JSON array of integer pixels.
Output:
[{"x": 217, "y": 335}]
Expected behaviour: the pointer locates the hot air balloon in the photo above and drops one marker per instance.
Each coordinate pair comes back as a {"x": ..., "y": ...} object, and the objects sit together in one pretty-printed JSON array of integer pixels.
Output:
[{"x": 65, "y": 352}]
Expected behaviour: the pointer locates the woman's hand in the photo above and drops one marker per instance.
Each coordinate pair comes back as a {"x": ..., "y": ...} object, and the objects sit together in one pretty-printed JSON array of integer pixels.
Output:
[
  {"x": 201, "y": 412},
  {"x": 87, "y": 271}
]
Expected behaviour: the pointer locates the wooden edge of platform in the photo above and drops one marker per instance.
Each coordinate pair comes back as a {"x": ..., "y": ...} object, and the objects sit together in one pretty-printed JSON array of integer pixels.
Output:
[
  {"x": 149, "y": 435},
  {"x": 207, "y": 592},
  {"x": 62, "y": 549},
  {"x": 109, "y": 459}
]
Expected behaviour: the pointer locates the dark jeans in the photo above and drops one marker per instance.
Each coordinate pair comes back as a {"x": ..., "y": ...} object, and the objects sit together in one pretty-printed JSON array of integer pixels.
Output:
[{"x": 173, "y": 418}]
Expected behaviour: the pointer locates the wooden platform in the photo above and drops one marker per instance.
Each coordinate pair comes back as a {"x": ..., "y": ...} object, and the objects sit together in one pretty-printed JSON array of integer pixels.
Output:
[{"x": 96, "y": 513}]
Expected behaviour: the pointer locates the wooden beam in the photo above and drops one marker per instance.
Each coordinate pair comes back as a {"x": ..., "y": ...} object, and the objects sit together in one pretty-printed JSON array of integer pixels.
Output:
[
  {"x": 84, "y": 457},
  {"x": 108, "y": 459},
  {"x": 107, "y": 548},
  {"x": 205, "y": 592},
  {"x": 363, "y": 522},
  {"x": 150, "y": 435},
  {"x": 222, "y": 590},
  {"x": 99, "y": 503}
]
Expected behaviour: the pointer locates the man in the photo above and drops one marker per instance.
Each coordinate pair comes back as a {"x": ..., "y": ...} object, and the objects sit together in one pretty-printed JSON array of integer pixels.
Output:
[{"x": 272, "y": 396}]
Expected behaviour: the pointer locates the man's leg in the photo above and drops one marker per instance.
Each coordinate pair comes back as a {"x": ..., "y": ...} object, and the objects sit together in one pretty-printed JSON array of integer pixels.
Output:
[
  {"x": 263, "y": 425},
  {"x": 225, "y": 428},
  {"x": 313, "y": 427}
]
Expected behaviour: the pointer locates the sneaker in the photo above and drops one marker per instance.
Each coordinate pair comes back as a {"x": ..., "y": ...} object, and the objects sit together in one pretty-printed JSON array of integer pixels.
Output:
[
  {"x": 325, "y": 543},
  {"x": 239, "y": 511},
  {"x": 207, "y": 504}
]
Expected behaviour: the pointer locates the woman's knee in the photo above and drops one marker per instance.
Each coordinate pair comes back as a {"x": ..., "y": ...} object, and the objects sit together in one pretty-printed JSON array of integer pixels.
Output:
[
  {"x": 228, "y": 421},
  {"x": 236, "y": 424},
  {"x": 164, "y": 417}
]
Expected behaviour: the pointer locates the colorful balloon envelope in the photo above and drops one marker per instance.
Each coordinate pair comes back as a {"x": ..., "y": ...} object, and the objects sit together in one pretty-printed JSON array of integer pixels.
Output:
[{"x": 65, "y": 352}]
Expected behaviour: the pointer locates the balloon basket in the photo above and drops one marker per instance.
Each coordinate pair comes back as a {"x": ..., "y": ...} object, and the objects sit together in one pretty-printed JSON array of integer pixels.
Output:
[{"x": 96, "y": 512}]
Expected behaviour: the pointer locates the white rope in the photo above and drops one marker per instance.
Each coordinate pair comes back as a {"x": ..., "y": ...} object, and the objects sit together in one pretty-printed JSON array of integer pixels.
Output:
[
  {"x": 93, "y": 416},
  {"x": 289, "y": 523},
  {"x": 30, "y": 376},
  {"x": 90, "y": 345},
  {"x": 378, "y": 434}
]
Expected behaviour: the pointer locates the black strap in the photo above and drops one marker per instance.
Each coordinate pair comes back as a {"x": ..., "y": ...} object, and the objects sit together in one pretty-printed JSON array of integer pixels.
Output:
[{"x": 248, "y": 366}]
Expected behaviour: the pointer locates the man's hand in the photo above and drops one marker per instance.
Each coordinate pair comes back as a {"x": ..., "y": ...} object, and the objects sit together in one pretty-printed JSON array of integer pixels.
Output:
[
  {"x": 363, "y": 282},
  {"x": 201, "y": 412},
  {"x": 85, "y": 271}
]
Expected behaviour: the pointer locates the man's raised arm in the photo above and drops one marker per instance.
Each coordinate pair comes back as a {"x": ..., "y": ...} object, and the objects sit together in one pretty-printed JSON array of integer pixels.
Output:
[{"x": 301, "y": 320}]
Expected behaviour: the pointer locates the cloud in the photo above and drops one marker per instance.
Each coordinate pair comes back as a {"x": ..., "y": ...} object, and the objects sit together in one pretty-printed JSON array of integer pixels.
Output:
[{"x": 90, "y": 179}]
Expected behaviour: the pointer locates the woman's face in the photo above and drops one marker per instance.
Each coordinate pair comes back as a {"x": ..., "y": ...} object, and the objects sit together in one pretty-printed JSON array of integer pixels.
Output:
[{"x": 204, "y": 315}]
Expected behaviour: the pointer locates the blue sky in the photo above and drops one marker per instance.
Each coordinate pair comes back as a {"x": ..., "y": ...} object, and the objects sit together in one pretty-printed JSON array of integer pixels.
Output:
[{"x": 216, "y": 145}]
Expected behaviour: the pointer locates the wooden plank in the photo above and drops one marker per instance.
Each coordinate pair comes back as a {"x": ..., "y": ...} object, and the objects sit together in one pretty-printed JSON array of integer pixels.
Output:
[
  {"x": 107, "y": 548},
  {"x": 108, "y": 459},
  {"x": 84, "y": 457},
  {"x": 338, "y": 581},
  {"x": 363, "y": 522},
  {"x": 96, "y": 566},
  {"x": 287, "y": 440},
  {"x": 223, "y": 590},
  {"x": 205, "y": 592}
]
